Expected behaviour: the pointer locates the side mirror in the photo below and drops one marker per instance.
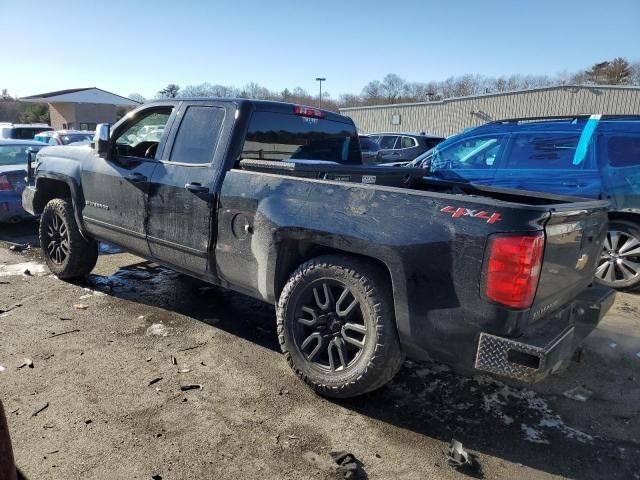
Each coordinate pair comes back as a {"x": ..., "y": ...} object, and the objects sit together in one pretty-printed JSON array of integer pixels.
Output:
[{"x": 100, "y": 141}]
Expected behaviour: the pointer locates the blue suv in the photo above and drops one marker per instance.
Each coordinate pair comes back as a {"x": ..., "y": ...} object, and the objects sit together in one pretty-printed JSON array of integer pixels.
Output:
[{"x": 594, "y": 156}]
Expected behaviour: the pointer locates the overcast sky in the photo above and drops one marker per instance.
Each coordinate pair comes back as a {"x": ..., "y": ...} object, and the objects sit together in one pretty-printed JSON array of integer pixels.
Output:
[{"x": 141, "y": 46}]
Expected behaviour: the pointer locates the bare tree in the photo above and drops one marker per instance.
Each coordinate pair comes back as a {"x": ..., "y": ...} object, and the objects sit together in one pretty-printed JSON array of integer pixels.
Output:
[
  {"x": 136, "y": 97},
  {"x": 170, "y": 91}
]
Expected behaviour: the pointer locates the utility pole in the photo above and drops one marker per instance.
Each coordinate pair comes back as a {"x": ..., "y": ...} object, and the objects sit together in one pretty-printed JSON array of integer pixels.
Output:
[{"x": 320, "y": 79}]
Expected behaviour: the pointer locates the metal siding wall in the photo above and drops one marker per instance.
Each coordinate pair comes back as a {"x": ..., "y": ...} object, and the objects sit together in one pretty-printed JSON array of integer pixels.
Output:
[{"x": 451, "y": 116}]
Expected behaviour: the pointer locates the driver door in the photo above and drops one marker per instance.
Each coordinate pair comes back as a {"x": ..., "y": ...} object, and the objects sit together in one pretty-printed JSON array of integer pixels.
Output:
[{"x": 116, "y": 187}]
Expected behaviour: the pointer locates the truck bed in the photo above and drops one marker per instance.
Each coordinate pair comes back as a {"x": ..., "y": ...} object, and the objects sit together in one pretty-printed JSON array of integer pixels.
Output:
[{"x": 404, "y": 177}]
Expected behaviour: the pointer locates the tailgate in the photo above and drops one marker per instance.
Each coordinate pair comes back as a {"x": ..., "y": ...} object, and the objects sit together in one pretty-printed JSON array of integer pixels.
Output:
[{"x": 573, "y": 243}]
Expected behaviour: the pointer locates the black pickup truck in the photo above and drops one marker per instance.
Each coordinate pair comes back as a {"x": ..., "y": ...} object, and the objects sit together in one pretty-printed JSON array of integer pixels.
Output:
[{"x": 365, "y": 265}]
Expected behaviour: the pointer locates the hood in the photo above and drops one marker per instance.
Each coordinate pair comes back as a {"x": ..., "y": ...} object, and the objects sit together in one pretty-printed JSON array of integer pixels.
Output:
[{"x": 72, "y": 152}]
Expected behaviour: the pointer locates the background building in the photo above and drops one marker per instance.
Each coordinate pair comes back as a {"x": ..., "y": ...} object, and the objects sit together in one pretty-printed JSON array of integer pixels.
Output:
[
  {"x": 450, "y": 116},
  {"x": 81, "y": 108}
]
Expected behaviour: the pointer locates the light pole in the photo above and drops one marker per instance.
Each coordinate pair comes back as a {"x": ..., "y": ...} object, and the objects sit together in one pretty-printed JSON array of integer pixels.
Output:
[{"x": 320, "y": 79}]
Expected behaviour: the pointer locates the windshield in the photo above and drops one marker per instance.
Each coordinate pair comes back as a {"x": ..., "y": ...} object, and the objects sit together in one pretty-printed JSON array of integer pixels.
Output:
[
  {"x": 75, "y": 138},
  {"x": 16, "y": 154},
  {"x": 281, "y": 136}
]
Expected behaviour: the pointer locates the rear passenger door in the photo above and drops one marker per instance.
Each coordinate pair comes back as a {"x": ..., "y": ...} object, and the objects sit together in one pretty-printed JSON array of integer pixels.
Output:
[
  {"x": 619, "y": 154},
  {"x": 546, "y": 162},
  {"x": 387, "y": 145},
  {"x": 182, "y": 194}
]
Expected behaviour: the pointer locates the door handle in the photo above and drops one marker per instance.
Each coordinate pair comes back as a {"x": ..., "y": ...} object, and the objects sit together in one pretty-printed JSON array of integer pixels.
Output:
[
  {"x": 136, "y": 177},
  {"x": 196, "y": 188}
]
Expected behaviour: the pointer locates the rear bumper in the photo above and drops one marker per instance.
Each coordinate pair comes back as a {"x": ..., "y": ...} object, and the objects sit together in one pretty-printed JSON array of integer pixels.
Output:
[{"x": 541, "y": 351}]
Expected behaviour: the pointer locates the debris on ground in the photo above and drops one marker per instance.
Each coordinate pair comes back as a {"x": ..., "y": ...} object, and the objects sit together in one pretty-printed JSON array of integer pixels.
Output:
[
  {"x": 156, "y": 477},
  {"x": 40, "y": 409},
  {"x": 148, "y": 359},
  {"x": 613, "y": 345},
  {"x": 28, "y": 268},
  {"x": 348, "y": 465},
  {"x": 192, "y": 386},
  {"x": 64, "y": 333},
  {"x": 155, "y": 380},
  {"x": 579, "y": 394},
  {"x": 184, "y": 370},
  {"x": 27, "y": 363},
  {"x": 293, "y": 437},
  {"x": 80, "y": 306},
  {"x": 463, "y": 461},
  {"x": 85, "y": 296},
  {"x": 2, "y": 369},
  {"x": 193, "y": 348},
  {"x": 173, "y": 360},
  {"x": 12, "y": 307},
  {"x": 18, "y": 247},
  {"x": 157, "y": 330}
]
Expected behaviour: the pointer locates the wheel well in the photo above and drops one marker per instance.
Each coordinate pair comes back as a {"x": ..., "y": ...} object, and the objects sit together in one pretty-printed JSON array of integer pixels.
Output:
[
  {"x": 49, "y": 189},
  {"x": 293, "y": 253},
  {"x": 628, "y": 216}
]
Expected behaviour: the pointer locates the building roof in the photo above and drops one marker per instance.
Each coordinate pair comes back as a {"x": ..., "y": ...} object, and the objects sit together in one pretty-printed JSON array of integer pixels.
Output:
[
  {"x": 81, "y": 95},
  {"x": 498, "y": 94}
]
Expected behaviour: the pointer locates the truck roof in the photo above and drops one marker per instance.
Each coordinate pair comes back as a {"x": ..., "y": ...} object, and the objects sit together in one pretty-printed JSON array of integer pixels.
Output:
[{"x": 258, "y": 105}]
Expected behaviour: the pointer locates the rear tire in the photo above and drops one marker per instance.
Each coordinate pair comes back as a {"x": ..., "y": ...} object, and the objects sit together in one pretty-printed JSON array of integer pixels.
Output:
[
  {"x": 67, "y": 253},
  {"x": 336, "y": 326},
  {"x": 619, "y": 265}
]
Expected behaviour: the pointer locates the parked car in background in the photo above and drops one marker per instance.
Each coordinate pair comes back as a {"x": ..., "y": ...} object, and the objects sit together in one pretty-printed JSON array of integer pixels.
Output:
[
  {"x": 22, "y": 131},
  {"x": 397, "y": 147},
  {"x": 64, "y": 137},
  {"x": 586, "y": 155},
  {"x": 13, "y": 172},
  {"x": 370, "y": 150}
]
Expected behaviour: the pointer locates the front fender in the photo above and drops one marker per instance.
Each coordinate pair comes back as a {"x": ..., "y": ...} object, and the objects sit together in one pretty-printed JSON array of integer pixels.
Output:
[{"x": 56, "y": 166}]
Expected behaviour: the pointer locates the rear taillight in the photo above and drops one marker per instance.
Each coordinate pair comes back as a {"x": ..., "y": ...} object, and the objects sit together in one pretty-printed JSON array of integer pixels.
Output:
[
  {"x": 4, "y": 183},
  {"x": 308, "y": 111},
  {"x": 513, "y": 269}
]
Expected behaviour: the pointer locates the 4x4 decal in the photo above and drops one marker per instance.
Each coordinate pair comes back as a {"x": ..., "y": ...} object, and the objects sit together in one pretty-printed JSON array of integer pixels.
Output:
[{"x": 467, "y": 212}]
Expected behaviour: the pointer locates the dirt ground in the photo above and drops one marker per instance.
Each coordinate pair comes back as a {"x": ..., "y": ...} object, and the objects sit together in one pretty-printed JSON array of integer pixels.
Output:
[{"x": 115, "y": 409}]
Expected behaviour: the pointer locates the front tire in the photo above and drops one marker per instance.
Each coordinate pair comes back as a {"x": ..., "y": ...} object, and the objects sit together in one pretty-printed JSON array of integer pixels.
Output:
[
  {"x": 336, "y": 326},
  {"x": 619, "y": 265},
  {"x": 67, "y": 253}
]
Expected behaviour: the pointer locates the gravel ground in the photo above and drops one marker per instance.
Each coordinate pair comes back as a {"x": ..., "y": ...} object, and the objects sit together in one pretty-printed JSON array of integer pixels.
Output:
[{"x": 103, "y": 353}]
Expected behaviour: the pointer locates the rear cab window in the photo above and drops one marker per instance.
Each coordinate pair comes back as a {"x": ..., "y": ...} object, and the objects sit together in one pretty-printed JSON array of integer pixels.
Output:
[{"x": 285, "y": 137}]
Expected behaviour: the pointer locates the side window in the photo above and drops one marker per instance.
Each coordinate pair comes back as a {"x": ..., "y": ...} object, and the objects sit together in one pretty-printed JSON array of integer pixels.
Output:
[
  {"x": 469, "y": 153},
  {"x": 553, "y": 150},
  {"x": 388, "y": 141},
  {"x": 140, "y": 138},
  {"x": 52, "y": 141},
  {"x": 198, "y": 135},
  {"x": 623, "y": 150},
  {"x": 408, "y": 142}
]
